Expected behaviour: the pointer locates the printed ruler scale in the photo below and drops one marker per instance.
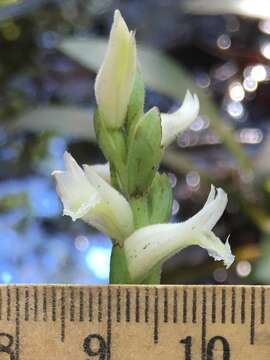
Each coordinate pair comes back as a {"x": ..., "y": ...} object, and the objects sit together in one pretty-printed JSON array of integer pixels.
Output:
[{"x": 134, "y": 322}]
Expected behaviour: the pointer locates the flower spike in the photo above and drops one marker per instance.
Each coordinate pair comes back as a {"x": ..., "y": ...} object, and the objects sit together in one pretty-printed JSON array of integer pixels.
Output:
[{"x": 127, "y": 198}]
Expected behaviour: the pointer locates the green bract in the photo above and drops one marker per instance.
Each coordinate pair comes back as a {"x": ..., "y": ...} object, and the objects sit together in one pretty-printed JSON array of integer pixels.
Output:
[
  {"x": 136, "y": 102},
  {"x": 160, "y": 200},
  {"x": 144, "y": 152}
]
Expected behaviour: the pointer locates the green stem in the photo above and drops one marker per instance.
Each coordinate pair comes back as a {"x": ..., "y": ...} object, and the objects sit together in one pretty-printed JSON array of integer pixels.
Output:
[
  {"x": 118, "y": 267},
  {"x": 140, "y": 210}
]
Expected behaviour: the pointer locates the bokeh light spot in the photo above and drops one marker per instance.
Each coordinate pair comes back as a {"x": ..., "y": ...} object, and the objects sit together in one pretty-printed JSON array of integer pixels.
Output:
[
  {"x": 98, "y": 261},
  {"x": 243, "y": 268}
]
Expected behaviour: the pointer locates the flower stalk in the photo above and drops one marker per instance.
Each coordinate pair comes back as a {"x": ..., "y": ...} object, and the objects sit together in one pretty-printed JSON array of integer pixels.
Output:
[{"x": 127, "y": 198}]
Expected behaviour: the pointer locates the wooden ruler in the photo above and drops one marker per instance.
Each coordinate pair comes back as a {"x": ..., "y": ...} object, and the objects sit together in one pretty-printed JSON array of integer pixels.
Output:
[{"x": 134, "y": 322}]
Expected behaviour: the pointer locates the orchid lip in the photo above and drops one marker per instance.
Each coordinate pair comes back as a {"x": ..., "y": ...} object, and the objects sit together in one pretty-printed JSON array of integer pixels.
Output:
[{"x": 153, "y": 244}]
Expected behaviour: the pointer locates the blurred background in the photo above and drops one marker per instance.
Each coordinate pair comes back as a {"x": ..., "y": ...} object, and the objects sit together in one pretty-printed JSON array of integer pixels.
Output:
[{"x": 50, "y": 51}]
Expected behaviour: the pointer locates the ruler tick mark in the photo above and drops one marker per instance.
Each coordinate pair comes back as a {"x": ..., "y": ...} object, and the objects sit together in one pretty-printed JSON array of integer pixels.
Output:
[
  {"x": 26, "y": 304},
  {"x": 223, "y": 306},
  {"x": 35, "y": 303},
  {"x": 8, "y": 303},
  {"x": 175, "y": 306},
  {"x": 165, "y": 305},
  {"x": 127, "y": 305},
  {"x": 90, "y": 305},
  {"x": 72, "y": 304},
  {"x": 81, "y": 305},
  {"x": 203, "y": 314},
  {"x": 262, "y": 305},
  {"x": 109, "y": 324},
  {"x": 233, "y": 306},
  {"x": 17, "y": 339},
  {"x": 214, "y": 298},
  {"x": 146, "y": 305},
  {"x": 63, "y": 315},
  {"x": 44, "y": 304},
  {"x": 252, "y": 316},
  {"x": 194, "y": 306},
  {"x": 185, "y": 300},
  {"x": 118, "y": 305},
  {"x": 53, "y": 304},
  {"x": 99, "y": 305},
  {"x": 243, "y": 305},
  {"x": 137, "y": 307},
  {"x": 156, "y": 328}
]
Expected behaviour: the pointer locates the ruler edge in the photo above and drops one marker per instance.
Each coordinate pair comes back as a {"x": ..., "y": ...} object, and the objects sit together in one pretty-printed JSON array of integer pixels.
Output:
[{"x": 124, "y": 286}]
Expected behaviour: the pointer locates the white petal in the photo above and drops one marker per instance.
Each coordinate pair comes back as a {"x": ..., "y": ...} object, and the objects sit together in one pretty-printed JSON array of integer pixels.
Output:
[
  {"x": 217, "y": 249},
  {"x": 149, "y": 246},
  {"x": 72, "y": 167},
  {"x": 104, "y": 219},
  {"x": 153, "y": 244},
  {"x": 77, "y": 194},
  {"x": 119, "y": 208},
  {"x": 114, "y": 81},
  {"x": 212, "y": 195},
  {"x": 213, "y": 209},
  {"x": 102, "y": 170},
  {"x": 177, "y": 122}
]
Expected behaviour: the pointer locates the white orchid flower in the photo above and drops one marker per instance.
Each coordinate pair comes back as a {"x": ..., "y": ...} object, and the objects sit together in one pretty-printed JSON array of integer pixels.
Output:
[
  {"x": 180, "y": 120},
  {"x": 114, "y": 81},
  {"x": 153, "y": 244},
  {"x": 85, "y": 195}
]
